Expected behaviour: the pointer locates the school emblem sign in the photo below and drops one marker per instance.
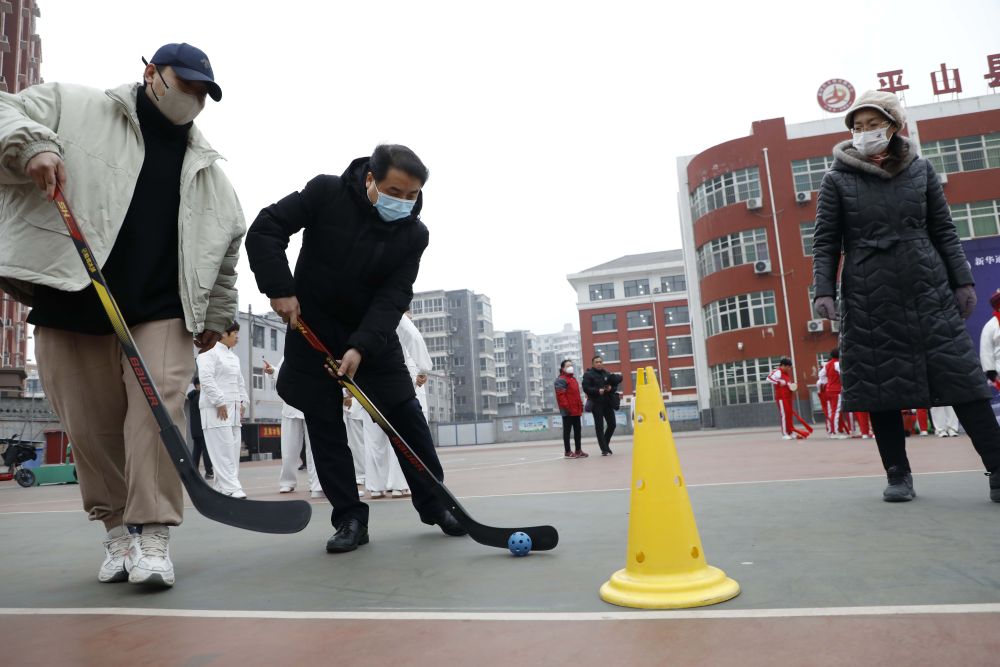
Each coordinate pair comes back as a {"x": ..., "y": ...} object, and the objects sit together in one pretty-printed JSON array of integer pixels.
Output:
[{"x": 835, "y": 95}]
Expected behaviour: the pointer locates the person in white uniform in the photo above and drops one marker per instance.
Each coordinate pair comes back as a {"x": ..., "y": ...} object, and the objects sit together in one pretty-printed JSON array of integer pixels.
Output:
[
  {"x": 293, "y": 438},
  {"x": 382, "y": 470},
  {"x": 354, "y": 422},
  {"x": 223, "y": 403}
]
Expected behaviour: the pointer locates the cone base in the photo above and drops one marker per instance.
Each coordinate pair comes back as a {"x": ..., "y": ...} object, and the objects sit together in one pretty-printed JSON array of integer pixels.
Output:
[{"x": 700, "y": 588}]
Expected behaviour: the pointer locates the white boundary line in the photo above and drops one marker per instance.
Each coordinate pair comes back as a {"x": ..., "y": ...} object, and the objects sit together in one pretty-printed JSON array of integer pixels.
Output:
[
  {"x": 805, "y": 612},
  {"x": 320, "y": 501}
]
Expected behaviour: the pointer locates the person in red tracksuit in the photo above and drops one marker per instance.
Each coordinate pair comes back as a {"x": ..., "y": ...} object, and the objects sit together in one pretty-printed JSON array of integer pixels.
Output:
[
  {"x": 781, "y": 378},
  {"x": 570, "y": 407},
  {"x": 838, "y": 419},
  {"x": 864, "y": 425}
]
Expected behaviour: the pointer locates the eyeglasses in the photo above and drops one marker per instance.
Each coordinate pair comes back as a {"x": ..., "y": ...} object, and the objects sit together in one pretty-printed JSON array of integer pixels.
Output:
[
  {"x": 165, "y": 85},
  {"x": 871, "y": 128}
]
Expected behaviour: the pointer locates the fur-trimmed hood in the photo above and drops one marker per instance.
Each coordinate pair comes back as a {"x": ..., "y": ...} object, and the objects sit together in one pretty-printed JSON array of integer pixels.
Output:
[{"x": 902, "y": 152}]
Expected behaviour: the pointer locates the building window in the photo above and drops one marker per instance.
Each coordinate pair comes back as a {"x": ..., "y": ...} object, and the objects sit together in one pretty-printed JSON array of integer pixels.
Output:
[
  {"x": 459, "y": 361},
  {"x": 670, "y": 284},
  {"x": 679, "y": 346},
  {"x": 673, "y": 315},
  {"x": 439, "y": 363},
  {"x": 501, "y": 371},
  {"x": 964, "y": 153},
  {"x": 637, "y": 319},
  {"x": 603, "y": 322},
  {"x": 258, "y": 378},
  {"x": 436, "y": 344},
  {"x": 806, "y": 230},
  {"x": 636, "y": 287},
  {"x": 257, "y": 336},
  {"x": 740, "y": 312},
  {"x": 744, "y": 247},
  {"x": 641, "y": 349},
  {"x": 430, "y": 324},
  {"x": 743, "y": 382},
  {"x": 724, "y": 190},
  {"x": 274, "y": 340},
  {"x": 808, "y": 174},
  {"x": 602, "y": 291},
  {"x": 975, "y": 219},
  {"x": 682, "y": 378},
  {"x": 607, "y": 351}
]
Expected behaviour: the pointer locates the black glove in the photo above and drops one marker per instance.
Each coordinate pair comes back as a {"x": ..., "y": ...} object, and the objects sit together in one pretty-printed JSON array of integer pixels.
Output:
[
  {"x": 965, "y": 297},
  {"x": 991, "y": 376},
  {"x": 824, "y": 307}
]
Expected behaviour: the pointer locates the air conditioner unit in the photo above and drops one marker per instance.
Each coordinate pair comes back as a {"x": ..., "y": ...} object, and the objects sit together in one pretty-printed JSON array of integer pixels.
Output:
[
  {"x": 762, "y": 266},
  {"x": 834, "y": 326},
  {"x": 943, "y": 177},
  {"x": 814, "y": 326},
  {"x": 754, "y": 203},
  {"x": 803, "y": 197}
]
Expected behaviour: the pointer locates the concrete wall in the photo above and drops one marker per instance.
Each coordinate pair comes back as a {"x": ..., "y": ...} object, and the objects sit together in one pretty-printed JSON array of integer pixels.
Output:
[{"x": 756, "y": 414}]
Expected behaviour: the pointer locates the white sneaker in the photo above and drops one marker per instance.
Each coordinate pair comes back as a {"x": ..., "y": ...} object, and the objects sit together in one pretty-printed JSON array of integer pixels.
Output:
[
  {"x": 376, "y": 494},
  {"x": 238, "y": 493},
  {"x": 317, "y": 494},
  {"x": 286, "y": 489},
  {"x": 361, "y": 492},
  {"x": 397, "y": 493},
  {"x": 116, "y": 546},
  {"x": 786, "y": 437},
  {"x": 923, "y": 434},
  {"x": 148, "y": 560}
]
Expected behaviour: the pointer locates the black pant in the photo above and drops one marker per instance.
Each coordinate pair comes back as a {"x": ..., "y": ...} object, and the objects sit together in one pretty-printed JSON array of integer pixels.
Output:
[
  {"x": 571, "y": 423},
  {"x": 198, "y": 450},
  {"x": 335, "y": 465},
  {"x": 603, "y": 412},
  {"x": 976, "y": 418}
]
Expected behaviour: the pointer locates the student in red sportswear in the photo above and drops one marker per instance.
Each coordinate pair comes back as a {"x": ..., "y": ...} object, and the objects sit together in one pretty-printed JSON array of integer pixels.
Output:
[
  {"x": 838, "y": 419},
  {"x": 781, "y": 378},
  {"x": 824, "y": 401}
]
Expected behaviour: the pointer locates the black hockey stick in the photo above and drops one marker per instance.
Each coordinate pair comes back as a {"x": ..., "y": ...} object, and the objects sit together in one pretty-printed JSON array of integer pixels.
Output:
[
  {"x": 543, "y": 538},
  {"x": 265, "y": 516}
]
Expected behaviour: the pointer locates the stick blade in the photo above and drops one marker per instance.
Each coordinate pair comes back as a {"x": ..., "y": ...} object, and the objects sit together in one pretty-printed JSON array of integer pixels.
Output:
[{"x": 263, "y": 516}]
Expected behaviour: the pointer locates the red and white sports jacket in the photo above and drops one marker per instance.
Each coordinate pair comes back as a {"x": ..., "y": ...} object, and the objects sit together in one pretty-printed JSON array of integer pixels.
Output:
[
  {"x": 780, "y": 378},
  {"x": 832, "y": 369}
]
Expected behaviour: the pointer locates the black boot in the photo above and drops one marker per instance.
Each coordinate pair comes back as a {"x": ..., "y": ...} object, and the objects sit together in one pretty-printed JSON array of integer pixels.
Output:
[
  {"x": 449, "y": 525},
  {"x": 351, "y": 534},
  {"x": 994, "y": 485},
  {"x": 900, "y": 487}
]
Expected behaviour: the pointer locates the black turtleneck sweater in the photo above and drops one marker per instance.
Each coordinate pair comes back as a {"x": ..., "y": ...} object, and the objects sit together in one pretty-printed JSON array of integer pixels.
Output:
[{"x": 142, "y": 268}]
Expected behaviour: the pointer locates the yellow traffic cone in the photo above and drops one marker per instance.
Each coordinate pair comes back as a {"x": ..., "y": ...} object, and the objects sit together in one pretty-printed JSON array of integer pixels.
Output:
[{"x": 665, "y": 565}]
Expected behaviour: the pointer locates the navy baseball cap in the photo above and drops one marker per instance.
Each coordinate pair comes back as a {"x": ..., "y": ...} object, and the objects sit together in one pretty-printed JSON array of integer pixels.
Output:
[{"x": 190, "y": 63}]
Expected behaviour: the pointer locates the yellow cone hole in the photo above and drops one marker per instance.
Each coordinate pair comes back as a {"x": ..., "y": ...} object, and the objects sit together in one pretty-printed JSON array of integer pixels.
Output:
[
  {"x": 678, "y": 481},
  {"x": 640, "y": 557},
  {"x": 639, "y": 484},
  {"x": 694, "y": 552}
]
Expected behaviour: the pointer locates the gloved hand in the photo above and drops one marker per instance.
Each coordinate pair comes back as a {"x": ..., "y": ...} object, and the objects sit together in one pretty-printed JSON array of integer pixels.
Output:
[
  {"x": 965, "y": 297},
  {"x": 824, "y": 307}
]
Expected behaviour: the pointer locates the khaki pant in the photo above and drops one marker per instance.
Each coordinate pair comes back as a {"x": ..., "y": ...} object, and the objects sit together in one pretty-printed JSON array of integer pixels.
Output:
[{"x": 124, "y": 471}]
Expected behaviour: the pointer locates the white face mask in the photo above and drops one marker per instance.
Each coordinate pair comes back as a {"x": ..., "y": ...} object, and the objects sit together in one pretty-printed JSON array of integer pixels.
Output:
[
  {"x": 568, "y": 370},
  {"x": 179, "y": 108},
  {"x": 871, "y": 142}
]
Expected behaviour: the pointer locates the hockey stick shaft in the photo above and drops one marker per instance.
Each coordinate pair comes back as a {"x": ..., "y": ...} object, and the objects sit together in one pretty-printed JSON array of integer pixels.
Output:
[
  {"x": 263, "y": 516},
  {"x": 542, "y": 537}
]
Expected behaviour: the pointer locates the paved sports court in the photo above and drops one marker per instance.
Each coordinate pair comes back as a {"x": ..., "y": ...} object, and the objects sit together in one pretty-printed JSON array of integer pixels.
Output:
[{"x": 830, "y": 574}]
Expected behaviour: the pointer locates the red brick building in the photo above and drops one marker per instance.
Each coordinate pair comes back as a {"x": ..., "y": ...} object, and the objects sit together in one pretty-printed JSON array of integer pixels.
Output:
[
  {"x": 20, "y": 60},
  {"x": 747, "y": 214},
  {"x": 634, "y": 313}
]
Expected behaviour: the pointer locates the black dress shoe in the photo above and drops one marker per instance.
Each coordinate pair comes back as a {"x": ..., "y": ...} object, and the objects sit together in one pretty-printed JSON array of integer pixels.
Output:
[
  {"x": 448, "y": 523},
  {"x": 302, "y": 467},
  {"x": 351, "y": 534}
]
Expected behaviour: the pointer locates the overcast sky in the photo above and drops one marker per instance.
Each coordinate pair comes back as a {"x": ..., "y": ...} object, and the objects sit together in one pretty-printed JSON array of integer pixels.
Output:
[{"x": 551, "y": 129}]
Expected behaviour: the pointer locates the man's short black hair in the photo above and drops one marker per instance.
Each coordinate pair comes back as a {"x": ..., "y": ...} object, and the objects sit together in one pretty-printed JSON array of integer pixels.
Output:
[
  {"x": 835, "y": 353},
  {"x": 387, "y": 156},
  {"x": 785, "y": 361},
  {"x": 596, "y": 357},
  {"x": 235, "y": 326}
]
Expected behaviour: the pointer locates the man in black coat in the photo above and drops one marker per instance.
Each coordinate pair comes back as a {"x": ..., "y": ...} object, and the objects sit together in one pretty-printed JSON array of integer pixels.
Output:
[
  {"x": 601, "y": 387},
  {"x": 361, "y": 250}
]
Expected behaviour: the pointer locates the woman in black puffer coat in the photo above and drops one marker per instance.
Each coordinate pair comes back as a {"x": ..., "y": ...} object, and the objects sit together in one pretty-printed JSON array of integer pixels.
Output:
[{"x": 905, "y": 288}]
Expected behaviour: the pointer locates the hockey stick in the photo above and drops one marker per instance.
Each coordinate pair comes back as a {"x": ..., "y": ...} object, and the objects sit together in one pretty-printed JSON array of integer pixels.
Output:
[
  {"x": 543, "y": 538},
  {"x": 265, "y": 516}
]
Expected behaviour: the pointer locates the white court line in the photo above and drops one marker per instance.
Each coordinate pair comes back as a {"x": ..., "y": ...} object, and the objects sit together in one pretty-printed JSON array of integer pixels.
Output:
[
  {"x": 506, "y": 465},
  {"x": 322, "y": 501},
  {"x": 714, "y": 614}
]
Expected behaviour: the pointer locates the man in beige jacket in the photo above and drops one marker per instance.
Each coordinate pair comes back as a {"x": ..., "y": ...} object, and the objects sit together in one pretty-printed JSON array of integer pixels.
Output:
[{"x": 166, "y": 227}]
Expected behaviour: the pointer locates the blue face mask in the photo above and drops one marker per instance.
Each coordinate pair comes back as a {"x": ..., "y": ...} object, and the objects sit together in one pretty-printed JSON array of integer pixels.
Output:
[{"x": 393, "y": 208}]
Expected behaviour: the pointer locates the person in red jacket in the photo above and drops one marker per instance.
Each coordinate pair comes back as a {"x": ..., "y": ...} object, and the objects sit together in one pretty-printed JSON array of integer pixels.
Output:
[
  {"x": 838, "y": 418},
  {"x": 570, "y": 407},
  {"x": 781, "y": 378}
]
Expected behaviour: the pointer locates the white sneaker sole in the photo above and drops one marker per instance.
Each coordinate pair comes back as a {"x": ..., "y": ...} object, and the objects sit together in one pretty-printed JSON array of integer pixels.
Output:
[
  {"x": 113, "y": 578},
  {"x": 147, "y": 578}
]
